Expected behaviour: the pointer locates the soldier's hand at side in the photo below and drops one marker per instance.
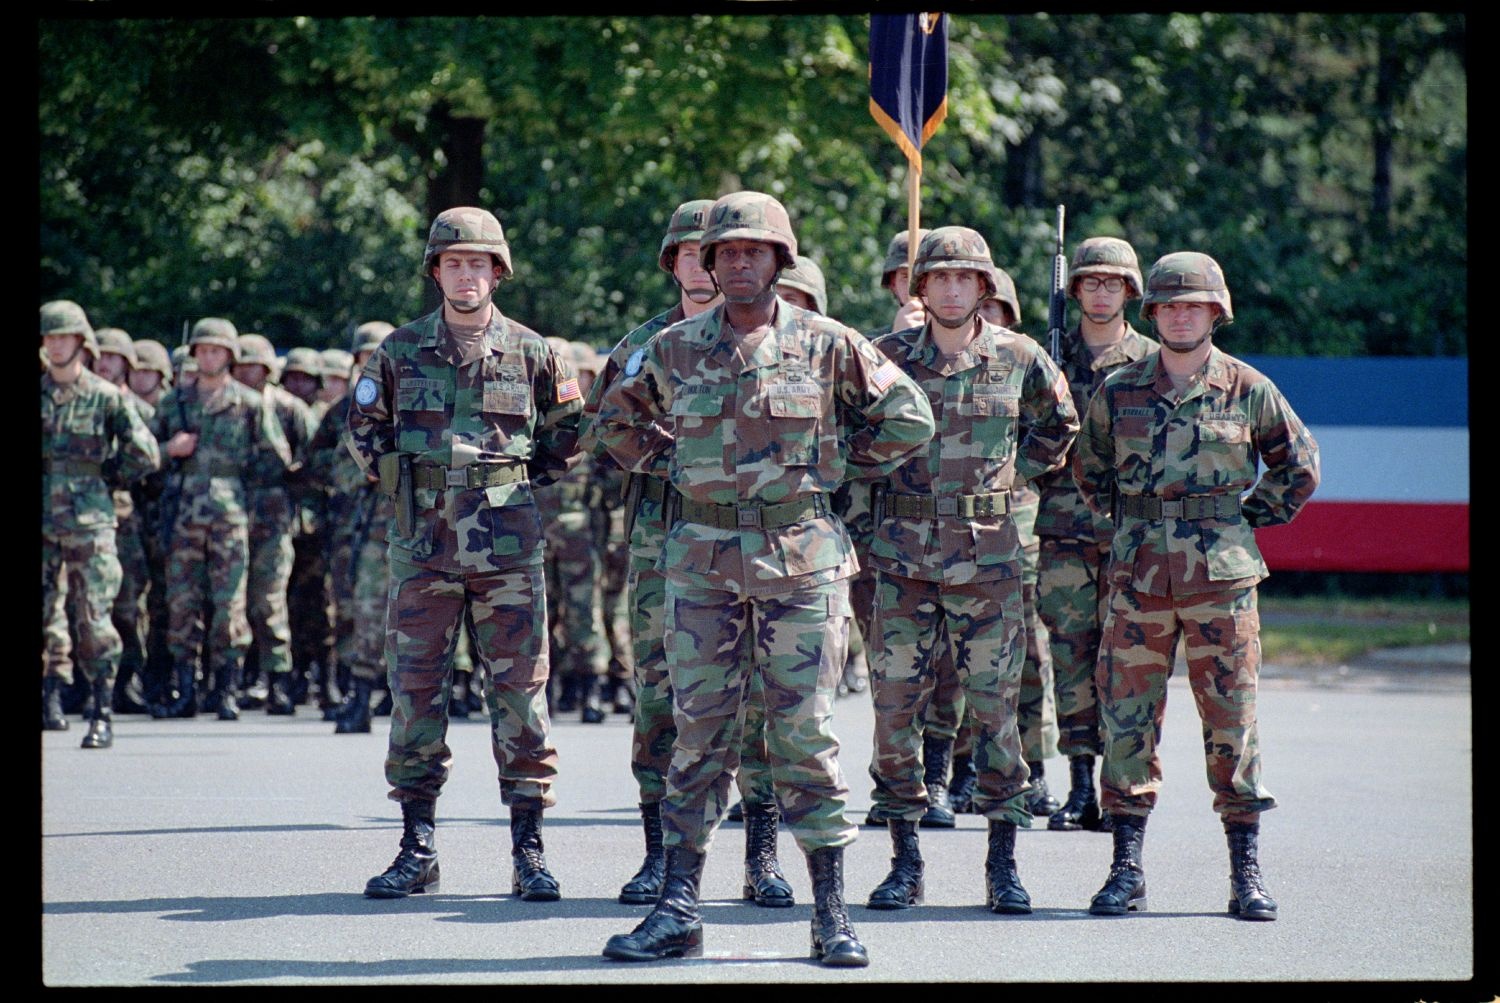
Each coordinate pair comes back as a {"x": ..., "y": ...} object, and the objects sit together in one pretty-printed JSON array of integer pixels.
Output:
[
  {"x": 182, "y": 445},
  {"x": 911, "y": 314}
]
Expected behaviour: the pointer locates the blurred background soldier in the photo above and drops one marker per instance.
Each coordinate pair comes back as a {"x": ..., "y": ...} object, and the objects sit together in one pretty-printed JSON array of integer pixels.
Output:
[
  {"x": 460, "y": 414},
  {"x": 92, "y": 440},
  {"x": 1192, "y": 451},
  {"x": 310, "y": 589},
  {"x": 225, "y": 444},
  {"x": 152, "y": 374},
  {"x": 1073, "y": 592},
  {"x": 272, "y": 516},
  {"x": 151, "y": 379},
  {"x": 338, "y": 366}
]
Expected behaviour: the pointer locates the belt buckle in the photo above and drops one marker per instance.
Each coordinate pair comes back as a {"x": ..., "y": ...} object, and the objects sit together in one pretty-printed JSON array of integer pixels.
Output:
[
  {"x": 456, "y": 477},
  {"x": 947, "y": 506},
  {"x": 1171, "y": 509},
  {"x": 747, "y": 515}
]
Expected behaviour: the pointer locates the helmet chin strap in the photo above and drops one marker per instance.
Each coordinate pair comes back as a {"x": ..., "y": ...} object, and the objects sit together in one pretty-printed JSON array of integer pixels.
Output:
[
  {"x": 968, "y": 318},
  {"x": 1102, "y": 319},
  {"x": 77, "y": 350}
]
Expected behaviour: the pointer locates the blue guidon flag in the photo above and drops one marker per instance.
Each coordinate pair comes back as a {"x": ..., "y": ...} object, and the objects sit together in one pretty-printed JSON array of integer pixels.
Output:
[{"x": 909, "y": 78}]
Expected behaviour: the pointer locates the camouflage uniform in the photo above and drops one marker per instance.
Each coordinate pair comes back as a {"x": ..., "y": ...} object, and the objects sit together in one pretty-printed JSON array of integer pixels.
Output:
[
  {"x": 477, "y": 433},
  {"x": 1174, "y": 473},
  {"x": 754, "y": 431},
  {"x": 241, "y": 450},
  {"x": 310, "y": 588},
  {"x": 272, "y": 517},
  {"x": 92, "y": 441}
]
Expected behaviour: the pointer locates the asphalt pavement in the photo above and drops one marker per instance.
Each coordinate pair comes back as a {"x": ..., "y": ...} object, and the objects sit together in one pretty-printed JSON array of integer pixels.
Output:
[{"x": 206, "y": 853}]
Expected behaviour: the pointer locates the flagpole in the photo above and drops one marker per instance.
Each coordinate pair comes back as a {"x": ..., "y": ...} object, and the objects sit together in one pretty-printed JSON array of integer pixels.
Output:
[{"x": 913, "y": 212}]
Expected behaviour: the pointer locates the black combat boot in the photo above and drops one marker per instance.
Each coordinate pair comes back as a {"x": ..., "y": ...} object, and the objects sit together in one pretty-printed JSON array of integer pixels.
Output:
[
  {"x": 736, "y": 812},
  {"x": 226, "y": 704},
  {"x": 1081, "y": 810},
  {"x": 902, "y": 888},
  {"x": 101, "y": 734},
  {"x": 1039, "y": 800},
  {"x": 356, "y": 717},
  {"x": 590, "y": 711},
  {"x": 674, "y": 929},
  {"x": 961, "y": 792},
  {"x": 1248, "y": 898},
  {"x": 130, "y": 696},
  {"x": 530, "y": 880},
  {"x": 279, "y": 699},
  {"x": 622, "y": 697},
  {"x": 1003, "y": 891},
  {"x": 765, "y": 885},
  {"x": 1125, "y": 889},
  {"x": 937, "y": 754},
  {"x": 567, "y": 697},
  {"x": 415, "y": 869},
  {"x": 53, "y": 718},
  {"x": 185, "y": 701},
  {"x": 833, "y": 940},
  {"x": 645, "y": 887}
]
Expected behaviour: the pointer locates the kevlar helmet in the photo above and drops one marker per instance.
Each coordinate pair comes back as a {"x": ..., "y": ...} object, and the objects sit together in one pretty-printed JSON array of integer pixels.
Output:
[
  {"x": 808, "y": 277},
  {"x": 748, "y": 216},
  {"x": 896, "y": 252},
  {"x": 369, "y": 335},
  {"x": 1105, "y": 256},
  {"x": 686, "y": 226},
  {"x": 584, "y": 358},
  {"x": 466, "y": 228},
  {"x": 337, "y": 363},
  {"x": 953, "y": 248},
  {"x": 1187, "y": 277},
  {"x": 183, "y": 361},
  {"x": 256, "y": 350},
  {"x": 306, "y": 361},
  {"x": 65, "y": 317},
  {"x": 152, "y": 355},
  {"x": 1005, "y": 292},
  {"x": 112, "y": 339},
  {"x": 215, "y": 331}
]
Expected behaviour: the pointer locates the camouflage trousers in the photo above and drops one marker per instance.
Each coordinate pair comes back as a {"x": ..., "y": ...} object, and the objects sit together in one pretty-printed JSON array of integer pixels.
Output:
[
  {"x": 504, "y": 614},
  {"x": 980, "y": 625},
  {"x": 655, "y": 730},
  {"x": 1037, "y": 708},
  {"x": 862, "y": 600},
  {"x": 1073, "y": 598},
  {"x": 718, "y": 644},
  {"x": 361, "y": 580},
  {"x": 271, "y": 558},
  {"x": 206, "y": 573},
  {"x": 86, "y": 566},
  {"x": 310, "y": 601},
  {"x": 129, "y": 609},
  {"x": 614, "y": 599},
  {"x": 575, "y": 621},
  {"x": 1222, "y": 634}
]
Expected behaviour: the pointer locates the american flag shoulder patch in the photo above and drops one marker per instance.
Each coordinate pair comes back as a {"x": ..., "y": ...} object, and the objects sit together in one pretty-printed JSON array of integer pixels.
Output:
[
  {"x": 567, "y": 390},
  {"x": 883, "y": 377}
]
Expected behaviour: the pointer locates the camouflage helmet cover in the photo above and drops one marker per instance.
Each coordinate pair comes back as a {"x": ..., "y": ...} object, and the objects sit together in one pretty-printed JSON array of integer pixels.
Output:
[
  {"x": 748, "y": 216},
  {"x": 1005, "y": 292},
  {"x": 182, "y": 360},
  {"x": 1187, "y": 277},
  {"x": 369, "y": 335},
  {"x": 466, "y": 228},
  {"x": 304, "y": 360},
  {"x": 686, "y": 225},
  {"x": 65, "y": 317},
  {"x": 116, "y": 341},
  {"x": 808, "y": 277},
  {"x": 584, "y": 358},
  {"x": 256, "y": 350},
  {"x": 953, "y": 248},
  {"x": 896, "y": 253},
  {"x": 337, "y": 363},
  {"x": 215, "y": 331},
  {"x": 1106, "y": 256},
  {"x": 152, "y": 355}
]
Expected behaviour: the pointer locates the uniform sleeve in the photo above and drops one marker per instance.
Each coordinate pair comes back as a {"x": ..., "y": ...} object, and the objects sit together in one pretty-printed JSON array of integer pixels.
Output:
[
  {"x": 372, "y": 429},
  {"x": 632, "y": 422},
  {"x": 1048, "y": 418},
  {"x": 1094, "y": 459},
  {"x": 1290, "y": 456},
  {"x": 588, "y": 436},
  {"x": 273, "y": 454},
  {"x": 137, "y": 453},
  {"x": 892, "y": 414},
  {"x": 559, "y": 406}
]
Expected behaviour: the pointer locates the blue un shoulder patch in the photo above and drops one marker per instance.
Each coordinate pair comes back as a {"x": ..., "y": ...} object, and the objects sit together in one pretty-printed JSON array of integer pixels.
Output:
[
  {"x": 633, "y": 364},
  {"x": 365, "y": 392}
]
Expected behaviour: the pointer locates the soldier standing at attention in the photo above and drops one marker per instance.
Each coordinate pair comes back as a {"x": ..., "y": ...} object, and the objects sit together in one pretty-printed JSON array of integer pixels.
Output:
[
  {"x": 655, "y": 731},
  {"x": 91, "y": 439},
  {"x": 1072, "y": 588},
  {"x": 950, "y": 558},
  {"x": 272, "y": 516},
  {"x": 750, "y": 410},
  {"x": 151, "y": 379},
  {"x": 1170, "y": 447},
  {"x": 229, "y": 445},
  {"x": 460, "y": 414}
]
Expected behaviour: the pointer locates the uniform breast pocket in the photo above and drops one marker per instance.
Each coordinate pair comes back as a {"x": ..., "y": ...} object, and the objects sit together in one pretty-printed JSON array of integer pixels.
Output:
[
  {"x": 83, "y": 421},
  {"x": 993, "y": 418},
  {"x": 696, "y": 428},
  {"x": 1212, "y": 432},
  {"x": 1132, "y": 443},
  {"x": 507, "y": 397},
  {"x": 421, "y": 404},
  {"x": 796, "y": 411}
]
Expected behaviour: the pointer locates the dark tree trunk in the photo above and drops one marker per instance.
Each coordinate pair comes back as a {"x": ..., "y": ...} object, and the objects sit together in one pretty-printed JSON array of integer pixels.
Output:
[{"x": 456, "y": 182}]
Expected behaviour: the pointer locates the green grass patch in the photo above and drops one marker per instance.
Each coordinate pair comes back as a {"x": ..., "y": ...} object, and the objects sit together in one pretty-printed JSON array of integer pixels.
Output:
[{"x": 1331, "y": 631}]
